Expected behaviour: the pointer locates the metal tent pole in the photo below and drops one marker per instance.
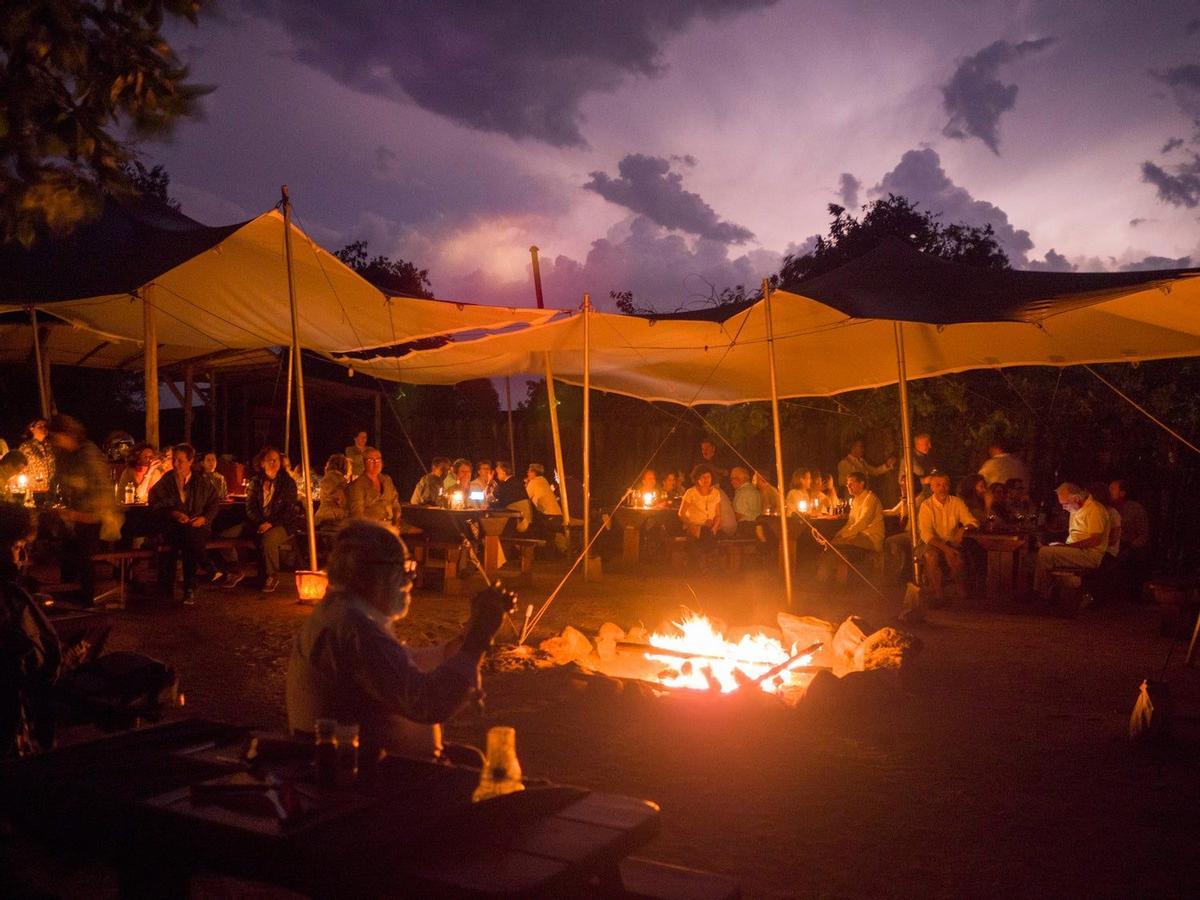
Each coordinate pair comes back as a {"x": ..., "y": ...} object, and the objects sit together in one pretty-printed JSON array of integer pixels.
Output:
[
  {"x": 295, "y": 358},
  {"x": 552, "y": 401},
  {"x": 43, "y": 393},
  {"x": 150, "y": 364},
  {"x": 587, "y": 437},
  {"x": 512, "y": 441},
  {"x": 785, "y": 550},
  {"x": 912, "y": 595}
]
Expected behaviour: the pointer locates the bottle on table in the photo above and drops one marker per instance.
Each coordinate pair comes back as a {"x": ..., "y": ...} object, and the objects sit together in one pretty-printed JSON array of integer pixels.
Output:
[{"x": 501, "y": 772}]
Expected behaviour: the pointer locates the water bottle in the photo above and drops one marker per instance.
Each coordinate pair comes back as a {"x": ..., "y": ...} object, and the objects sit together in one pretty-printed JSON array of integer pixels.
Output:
[
  {"x": 129, "y": 493},
  {"x": 501, "y": 772}
]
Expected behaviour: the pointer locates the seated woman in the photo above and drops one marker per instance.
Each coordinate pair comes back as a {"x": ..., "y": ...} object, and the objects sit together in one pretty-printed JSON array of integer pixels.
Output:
[
  {"x": 271, "y": 515},
  {"x": 670, "y": 491},
  {"x": 972, "y": 490},
  {"x": 826, "y": 489},
  {"x": 139, "y": 466},
  {"x": 802, "y": 495},
  {"x": 334, "y": 506},
  {"x": 700, "y": 509}
]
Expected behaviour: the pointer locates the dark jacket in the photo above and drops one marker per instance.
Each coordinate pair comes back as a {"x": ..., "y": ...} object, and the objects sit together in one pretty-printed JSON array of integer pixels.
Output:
[
  {"x": 511, "y": 491},
  {"x": 282, "y": 509},
  {"x": 200, "y": 497}
]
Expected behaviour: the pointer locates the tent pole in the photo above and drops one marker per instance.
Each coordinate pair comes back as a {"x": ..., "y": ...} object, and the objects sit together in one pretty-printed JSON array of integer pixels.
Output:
[
  {"x": 512, "y": 442},
  {"x": 785, "y": 550},
  {"x": 587, "y": 437},
  {"x": 552, "y": 402},
  {"x": 378, "y": 422},
  {"x": 43, "y": 394},
  {"x": 301, "y": 419},
  {"x": 910, "y": 493},
  {"x": 189, "y": 381},
  {"x": 287, "y": 414},
  {"x": 150, "y": 364},
  {"x": 212, "y": 411}
]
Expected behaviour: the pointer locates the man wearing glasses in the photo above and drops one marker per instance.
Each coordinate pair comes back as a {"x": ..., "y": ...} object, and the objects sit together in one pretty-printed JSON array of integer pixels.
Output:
[{"x": 348, "y": 665}]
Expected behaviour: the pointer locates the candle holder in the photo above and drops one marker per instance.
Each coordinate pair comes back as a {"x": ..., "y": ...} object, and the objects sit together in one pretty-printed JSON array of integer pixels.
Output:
[{"x": 311, "y": 586}]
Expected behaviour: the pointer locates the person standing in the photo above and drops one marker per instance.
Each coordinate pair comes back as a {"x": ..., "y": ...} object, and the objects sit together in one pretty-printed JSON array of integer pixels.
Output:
[
  {"x": 855, "y": 461},
  {"x": 90, "y": 511},
  {"x": 1000, "y": 466},
  {"x": 187, "y": 503},
  {"x": 708, "y": 458},
  {"x": 924, "y": 463},
  {"x": 356, "y": 454}
]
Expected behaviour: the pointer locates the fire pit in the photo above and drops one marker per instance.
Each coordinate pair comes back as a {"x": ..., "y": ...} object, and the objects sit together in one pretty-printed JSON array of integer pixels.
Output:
[{"x": 697, "y": 655}]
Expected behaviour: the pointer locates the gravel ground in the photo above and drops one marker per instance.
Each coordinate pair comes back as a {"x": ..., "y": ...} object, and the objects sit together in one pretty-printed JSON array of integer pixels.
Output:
[{"x": 1000, "y": 767}]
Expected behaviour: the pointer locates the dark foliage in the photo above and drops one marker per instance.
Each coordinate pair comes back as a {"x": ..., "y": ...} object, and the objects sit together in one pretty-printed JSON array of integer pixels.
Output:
[{"x": 392, "y": 276}]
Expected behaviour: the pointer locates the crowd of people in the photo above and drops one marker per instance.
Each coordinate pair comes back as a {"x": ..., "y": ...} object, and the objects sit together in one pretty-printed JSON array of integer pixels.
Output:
[{"x": 186, "y": 493}]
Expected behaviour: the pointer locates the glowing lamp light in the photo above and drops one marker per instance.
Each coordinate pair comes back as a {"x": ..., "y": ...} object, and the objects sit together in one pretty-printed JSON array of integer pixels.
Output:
[
  {"x": 802, "y": 506},
  {"x": 311, "y": 586},
  {"x": 22, "y": 482},
  {"x": 457, "y": 500},
  {"x": 648, "y": 499}
]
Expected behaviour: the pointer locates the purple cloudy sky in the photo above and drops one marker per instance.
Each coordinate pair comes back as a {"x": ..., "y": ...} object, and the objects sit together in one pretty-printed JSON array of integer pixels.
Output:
[{"x": 666, "y": 146}]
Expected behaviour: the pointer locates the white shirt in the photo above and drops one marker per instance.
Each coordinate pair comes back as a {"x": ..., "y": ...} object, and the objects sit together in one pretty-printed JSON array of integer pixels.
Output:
[
  {"x": 697, "y": 508},
  {"x": 866, "y": 518},
  {"x": 728, "y": 516},
  {"x": 1003, "y": 467},
  {"x": 943, "y": 519},
  {"x": 1090, "y": 519},
  {"x": 1114, "y": 528},
  {"x": 852, "y": 464}
]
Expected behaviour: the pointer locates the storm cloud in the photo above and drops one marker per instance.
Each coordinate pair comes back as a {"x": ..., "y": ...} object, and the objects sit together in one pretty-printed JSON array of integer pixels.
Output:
[
  {"x": 1157, "y": 262},
  {"x": 647, "y": 186},
  {"x": 520, "y": 69},
  {"x": 919, "y": 176},
  {"x": 1053, "y": 261},
  {"x": 1178, "y": 184},
  {"x": 975, "y": 98},
  {"x": 848, "y": 188}
]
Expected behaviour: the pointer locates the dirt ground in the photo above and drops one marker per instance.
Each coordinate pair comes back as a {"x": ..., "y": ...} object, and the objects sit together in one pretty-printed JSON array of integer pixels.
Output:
[{"x": 1001, "y": 767}]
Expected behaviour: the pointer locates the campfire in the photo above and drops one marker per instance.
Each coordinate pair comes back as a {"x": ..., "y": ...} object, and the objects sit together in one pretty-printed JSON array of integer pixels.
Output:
[{"x": 699, "y": 654}]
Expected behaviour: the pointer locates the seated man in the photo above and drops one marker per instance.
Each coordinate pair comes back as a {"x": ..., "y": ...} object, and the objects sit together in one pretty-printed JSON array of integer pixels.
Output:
[
  {"x": 187, "y": 503},
  {"x": 510, "y": 493},
  {"x": 372, "y": 494},
  {"x": 460, "y": 472},
  {"x": 431, "y": 487},
  {"x": 347, "y": 664},
  {"x": 747, "y": 504},
  {"x": 1135, "y": 524},
  {"x": 1087, "y": 538},
  {"x": 540, "y": 493},
  {"x": 863, "y": 532},
  {"x": 484, "y": 482},
  {"x": 941, "y": 519}
]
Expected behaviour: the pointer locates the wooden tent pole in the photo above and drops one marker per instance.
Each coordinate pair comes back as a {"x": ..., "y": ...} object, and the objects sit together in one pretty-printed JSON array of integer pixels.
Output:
[
  {"x": 43, "y": 392},
  {"x": 298, "y": 368},
  {"x": 189, "y": 383},
  {"x": 910, "y": 489},
  {"x": 212, "y": 410},
  {"x": 785, "y": 550},
  {"x": 512, "y": 443},
  {"x": 150, "y": 364},
  {"x": 587, "y": 437},
  {"x": 287, "y": 413},
  {"x": 552, "y": 402}
]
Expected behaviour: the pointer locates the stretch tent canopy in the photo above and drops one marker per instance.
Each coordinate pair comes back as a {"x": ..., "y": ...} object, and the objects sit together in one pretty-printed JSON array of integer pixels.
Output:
[
  {"x": 847, "y": 342},
  {"x": 219, "y": 288}
]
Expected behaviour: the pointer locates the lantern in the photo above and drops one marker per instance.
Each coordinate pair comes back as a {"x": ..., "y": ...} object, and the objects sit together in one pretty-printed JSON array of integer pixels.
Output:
[
  {"x": 648, "y": 499},
  {"x": 310, "y": 586}
]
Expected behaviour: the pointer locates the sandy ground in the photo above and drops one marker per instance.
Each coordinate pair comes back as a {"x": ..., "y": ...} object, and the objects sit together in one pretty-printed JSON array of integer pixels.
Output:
[{"x": 1001, "y": 766}]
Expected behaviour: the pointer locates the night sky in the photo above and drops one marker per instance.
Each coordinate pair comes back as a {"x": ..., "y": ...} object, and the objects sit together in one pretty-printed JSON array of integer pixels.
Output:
[{"x": 666, "y": 147}]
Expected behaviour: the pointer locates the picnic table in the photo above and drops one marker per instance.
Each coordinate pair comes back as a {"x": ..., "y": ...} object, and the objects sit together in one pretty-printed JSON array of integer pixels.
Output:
[
  {"x": 132, "y": 800},
  {"x": 452, "y": 525},
  {"x": 1003, "y": 549},
  {"x": 633, "y": 521}
]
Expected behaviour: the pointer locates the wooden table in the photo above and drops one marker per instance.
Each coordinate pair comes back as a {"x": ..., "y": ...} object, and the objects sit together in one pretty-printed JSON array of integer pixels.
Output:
[
  {"x": 633, "y": 520},
  {"x": 1003, "y": 561},
  {"x": 127, "y": 800},
  {"x": 454, "y": 524}
]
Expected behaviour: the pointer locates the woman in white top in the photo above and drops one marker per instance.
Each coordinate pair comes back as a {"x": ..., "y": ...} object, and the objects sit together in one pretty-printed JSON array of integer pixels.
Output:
[{"x": 700, "y": 510}]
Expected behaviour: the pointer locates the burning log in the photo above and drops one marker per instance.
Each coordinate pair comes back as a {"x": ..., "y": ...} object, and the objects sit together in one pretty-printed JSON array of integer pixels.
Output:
[{"x": 783, "y": 666}]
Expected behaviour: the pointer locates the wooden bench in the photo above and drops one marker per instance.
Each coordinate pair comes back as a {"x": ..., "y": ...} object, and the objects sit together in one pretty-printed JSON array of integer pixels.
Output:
[
  {"x": 648, "y": 880},
  {"x": 122, "y": 562},
  {"x": 734, "y": 550},
  {"x": 443, "y": 556},
  {"x": 525, "y": 548}
]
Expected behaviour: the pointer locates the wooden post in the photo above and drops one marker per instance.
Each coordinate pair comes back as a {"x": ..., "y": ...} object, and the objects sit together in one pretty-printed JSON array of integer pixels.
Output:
[
  {"x": 785, "y": 549},
  {"x": 212, "y": 410},
  {"x": 150, "y": 364},
  {"x": 910, "y": 493},
  {"x": 189, "y": 383},
  {"x": 43, "y": 392},
  {"x": 552, "y": 402},
  {"x": 512, "y": 443},
  {"x": 587, "y": 438},
  {"x": 287, "y": 412},
  {"x": 298, "y": 369},
  {"x": 378, "y": 421}
]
